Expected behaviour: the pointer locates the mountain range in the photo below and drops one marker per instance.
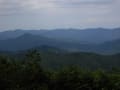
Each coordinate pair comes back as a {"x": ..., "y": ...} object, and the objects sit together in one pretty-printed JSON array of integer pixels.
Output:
[{"x": 99, "y": 40}]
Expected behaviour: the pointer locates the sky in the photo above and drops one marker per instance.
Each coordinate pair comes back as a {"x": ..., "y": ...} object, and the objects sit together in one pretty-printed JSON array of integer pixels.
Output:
[{"x": 51, "y": 14}]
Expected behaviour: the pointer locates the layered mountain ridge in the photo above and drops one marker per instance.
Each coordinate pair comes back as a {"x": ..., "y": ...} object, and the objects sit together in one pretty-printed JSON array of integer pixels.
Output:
[{"x": 99, "y": 40}]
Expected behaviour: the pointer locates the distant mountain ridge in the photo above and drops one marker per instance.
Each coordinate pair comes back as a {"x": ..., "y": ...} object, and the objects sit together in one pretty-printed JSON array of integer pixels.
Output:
[
  {"x": 73, "y": 40},
  {"x": 28, "y": 41},
  {"x": 96, "y": 35}
]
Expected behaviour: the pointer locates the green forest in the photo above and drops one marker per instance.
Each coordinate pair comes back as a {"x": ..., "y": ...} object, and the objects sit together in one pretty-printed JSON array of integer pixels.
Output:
[{"x": 34, "y": 71}]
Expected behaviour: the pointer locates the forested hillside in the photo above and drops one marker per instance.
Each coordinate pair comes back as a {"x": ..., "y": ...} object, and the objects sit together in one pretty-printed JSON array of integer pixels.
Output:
[
  {"x": 28, "y": 74},
  {"x": 54, "y": 58},
  {"x": 86, "y": 60}
]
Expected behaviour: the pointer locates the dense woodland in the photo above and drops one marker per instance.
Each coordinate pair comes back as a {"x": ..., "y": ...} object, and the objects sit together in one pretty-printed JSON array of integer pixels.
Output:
[{"x": 28, "y": 73}]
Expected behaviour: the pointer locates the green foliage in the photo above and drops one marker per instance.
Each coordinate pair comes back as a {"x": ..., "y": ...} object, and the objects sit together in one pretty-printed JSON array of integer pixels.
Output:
[
  {"x": 22, "y": 74},
  {"x": 90, "y": 61},
  {"x": 27, "y": 74}
]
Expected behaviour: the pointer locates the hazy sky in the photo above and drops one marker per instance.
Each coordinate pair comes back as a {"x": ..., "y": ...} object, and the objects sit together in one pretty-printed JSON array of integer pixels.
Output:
[{"x": 48, "y": 14}]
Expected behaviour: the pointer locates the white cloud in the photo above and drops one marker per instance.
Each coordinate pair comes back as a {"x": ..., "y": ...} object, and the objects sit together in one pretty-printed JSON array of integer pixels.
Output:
[
  {"x": 59, "y": 13},
  {"x": 16, "y": 6},
  {"x": 19, "y": 5}
]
